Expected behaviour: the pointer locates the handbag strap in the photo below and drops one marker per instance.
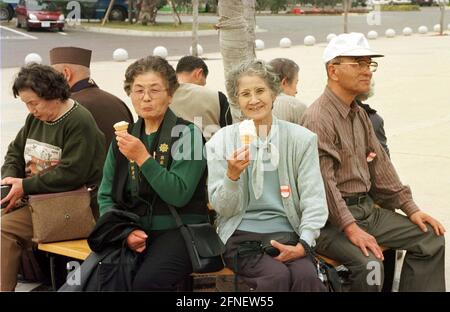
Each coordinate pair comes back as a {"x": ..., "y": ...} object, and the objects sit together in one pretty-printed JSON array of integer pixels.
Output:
[{"x": 175, "y": 214}]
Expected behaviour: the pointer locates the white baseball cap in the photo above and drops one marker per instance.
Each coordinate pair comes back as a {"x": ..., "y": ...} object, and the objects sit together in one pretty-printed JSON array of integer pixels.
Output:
[{"x": 352, "y": 44}]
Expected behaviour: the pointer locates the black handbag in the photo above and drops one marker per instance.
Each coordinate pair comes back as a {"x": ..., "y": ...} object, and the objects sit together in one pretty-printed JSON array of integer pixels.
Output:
[
  {"x": 203, "y": 244},
  {"x": 285, "y": 238}
]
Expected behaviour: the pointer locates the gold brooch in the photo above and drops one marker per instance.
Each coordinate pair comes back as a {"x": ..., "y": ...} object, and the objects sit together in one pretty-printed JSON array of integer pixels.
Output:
[{"x": 163, "y": 148}]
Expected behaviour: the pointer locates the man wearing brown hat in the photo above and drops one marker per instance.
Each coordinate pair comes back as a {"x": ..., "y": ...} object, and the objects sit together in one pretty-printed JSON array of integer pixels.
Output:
[{"x": 106, "y": 108}]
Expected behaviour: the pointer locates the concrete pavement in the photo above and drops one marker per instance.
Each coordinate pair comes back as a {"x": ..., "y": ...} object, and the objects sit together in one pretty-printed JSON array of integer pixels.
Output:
[{"x": 412, "y": 95}]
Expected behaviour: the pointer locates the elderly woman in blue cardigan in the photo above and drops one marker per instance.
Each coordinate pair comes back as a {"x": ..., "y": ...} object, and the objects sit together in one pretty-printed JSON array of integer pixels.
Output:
[{"x": 267, "y": 192}]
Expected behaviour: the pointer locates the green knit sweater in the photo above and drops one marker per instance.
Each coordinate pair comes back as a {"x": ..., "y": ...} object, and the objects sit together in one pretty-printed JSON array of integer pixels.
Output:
[
  {"x": 57, "y": 156},
  {"x": 175, "y": 186}
]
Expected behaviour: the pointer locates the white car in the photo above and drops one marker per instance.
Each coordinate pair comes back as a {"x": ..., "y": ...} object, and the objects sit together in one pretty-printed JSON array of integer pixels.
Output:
[
  {"x": 379, "y": 2},
  {"x": 402, "y": 1}
]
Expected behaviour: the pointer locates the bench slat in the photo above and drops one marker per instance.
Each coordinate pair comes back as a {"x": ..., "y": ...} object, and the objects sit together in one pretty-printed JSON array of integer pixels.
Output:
[{"x": 77, "y": 249}]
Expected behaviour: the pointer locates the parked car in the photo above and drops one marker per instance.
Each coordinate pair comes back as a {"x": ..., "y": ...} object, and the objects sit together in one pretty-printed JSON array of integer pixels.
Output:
[
  {"x": 34, "y": 14},
  {"x": 7, "y": 9},
  {"x": 402, "y": 1},
  {"x": 96, "y": 9}
]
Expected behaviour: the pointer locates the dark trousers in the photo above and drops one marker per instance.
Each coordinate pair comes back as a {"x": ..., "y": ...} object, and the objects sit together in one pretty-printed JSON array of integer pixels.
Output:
[
  {"x": 263, "y": 273},
  {"x": 164, "y": 263},
  {"x": 423, "y": 267}
]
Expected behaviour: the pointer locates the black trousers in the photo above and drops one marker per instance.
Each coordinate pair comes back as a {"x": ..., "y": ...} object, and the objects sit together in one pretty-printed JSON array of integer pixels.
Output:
[{"x": 164, "y": 263}]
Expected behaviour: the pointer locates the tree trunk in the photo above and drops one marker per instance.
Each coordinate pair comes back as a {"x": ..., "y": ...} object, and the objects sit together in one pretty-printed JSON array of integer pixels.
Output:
[
  {"x": 346, "y": 4},
  {"x": 249, "y": 15},
  {"x": 236, "y": 38},
  {"x": 106, "y": 17},
  {"x": 130, "y": 11},
  {"x": 176, "y": 16},
  {"x": 147, "y": 13},
  {"x": 194, "y": 27},
  {"x": 442, "y": 7}
]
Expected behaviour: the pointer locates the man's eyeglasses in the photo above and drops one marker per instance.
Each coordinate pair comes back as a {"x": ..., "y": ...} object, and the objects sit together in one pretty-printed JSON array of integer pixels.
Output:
[
  {"x": 154, "y": 93},
  {"x": 362, "y": 64}
]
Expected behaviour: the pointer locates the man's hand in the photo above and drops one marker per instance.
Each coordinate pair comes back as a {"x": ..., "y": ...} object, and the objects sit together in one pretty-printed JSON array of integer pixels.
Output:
[
  {"x": 136, "y": 240},
  {"x": 14, "y": 194},
  {"x": 420, "y": 218},
  {"x": 131, "y": 147},
  {"x": 239, "y": 160},
  {"x": 363, "y": 240},
  {"x": 288, "y": 252}
]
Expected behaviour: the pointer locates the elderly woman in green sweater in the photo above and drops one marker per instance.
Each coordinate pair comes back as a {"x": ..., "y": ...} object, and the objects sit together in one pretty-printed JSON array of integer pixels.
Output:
[
  {"x": 267, "y": 193},
  {"x": 60, "y": 148},
  {"x": 157, "y": 163}
]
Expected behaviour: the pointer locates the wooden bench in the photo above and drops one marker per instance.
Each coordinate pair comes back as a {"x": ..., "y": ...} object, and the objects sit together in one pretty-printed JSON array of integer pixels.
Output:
[{"x": 79, "y": 249}]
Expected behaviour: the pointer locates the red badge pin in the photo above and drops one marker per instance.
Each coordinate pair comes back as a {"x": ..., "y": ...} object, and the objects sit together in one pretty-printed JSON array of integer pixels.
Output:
[
  {"x": 285, "y": 191},
  {"x": 371, "y": 156}
]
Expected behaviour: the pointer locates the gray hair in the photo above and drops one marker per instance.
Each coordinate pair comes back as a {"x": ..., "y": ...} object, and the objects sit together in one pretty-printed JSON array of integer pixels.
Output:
[
  {"x": 285, "y": 68},
  {"x": 251, "y": 68}
]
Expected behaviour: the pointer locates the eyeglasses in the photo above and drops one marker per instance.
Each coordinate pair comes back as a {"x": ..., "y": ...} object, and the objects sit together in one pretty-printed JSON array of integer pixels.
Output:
[
  {"x": 362, "y": 64},
  {"x": 154, "y": 93}
]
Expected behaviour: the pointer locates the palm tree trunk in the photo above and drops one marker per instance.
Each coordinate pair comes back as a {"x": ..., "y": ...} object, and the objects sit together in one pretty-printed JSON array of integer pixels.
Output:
[
  {"x": 194, "y": 27},
  {"x": 347, "y": 4},
  {"x": 236, "y": 38}
]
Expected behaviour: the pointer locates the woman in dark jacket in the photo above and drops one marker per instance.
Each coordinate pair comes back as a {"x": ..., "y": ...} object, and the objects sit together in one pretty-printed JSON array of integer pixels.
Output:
[{"x": 156, "y": 163}]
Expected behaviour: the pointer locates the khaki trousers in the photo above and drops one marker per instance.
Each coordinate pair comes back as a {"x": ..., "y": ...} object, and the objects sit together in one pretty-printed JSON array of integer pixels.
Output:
[
  {"x": 16, "y": 235},
  {"x": 423, "y": 267}
]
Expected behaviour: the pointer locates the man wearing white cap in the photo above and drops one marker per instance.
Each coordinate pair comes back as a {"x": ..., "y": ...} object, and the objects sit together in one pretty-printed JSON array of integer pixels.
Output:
[{"x": 358, "y": 173}]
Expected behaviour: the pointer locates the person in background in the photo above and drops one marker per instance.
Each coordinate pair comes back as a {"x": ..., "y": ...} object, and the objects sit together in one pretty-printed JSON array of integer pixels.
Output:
[
  {"x": 107, "y": 109},
  {"x": 286, "y": 106},
  {"x": 192, "y": 99},
  {"x": 375, "y": 118}
]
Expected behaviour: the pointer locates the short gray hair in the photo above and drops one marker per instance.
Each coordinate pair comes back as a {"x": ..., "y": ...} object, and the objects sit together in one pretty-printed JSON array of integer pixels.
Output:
[{"x": 251, "y": 68}]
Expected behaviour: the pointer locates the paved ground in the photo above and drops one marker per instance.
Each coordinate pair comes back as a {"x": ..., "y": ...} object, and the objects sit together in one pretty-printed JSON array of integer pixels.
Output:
[
  {"x": 412, "y": 94},
  {"x": 17, "y": 43}
]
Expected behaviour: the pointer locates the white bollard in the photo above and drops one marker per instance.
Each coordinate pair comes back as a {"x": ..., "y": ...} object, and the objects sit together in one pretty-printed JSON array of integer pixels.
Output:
[
  {"x": 309, "y": 41},
  {"x": 437, "y": 28},
  {"x": 199, "y": 50},
  {"x": 285, "y": 43},
  {"x": 448, "y": 26},
  {"x": 423, "y": 30},
  {"x": 160, "y": 51},
  {"x": 390, "y": 33},
  {"x": 259, "y": 44},
  {"x": 407, "y": 31},
  {"x": 330, "y": 37},
  {"x": 33, "y": 58},
  {"x": 120, "y": 55},
  {"x": 372, "y": 35}
]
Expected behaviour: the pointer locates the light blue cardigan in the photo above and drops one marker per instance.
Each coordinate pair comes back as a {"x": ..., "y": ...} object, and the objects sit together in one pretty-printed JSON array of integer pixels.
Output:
[{"x": 306, "y": 207}]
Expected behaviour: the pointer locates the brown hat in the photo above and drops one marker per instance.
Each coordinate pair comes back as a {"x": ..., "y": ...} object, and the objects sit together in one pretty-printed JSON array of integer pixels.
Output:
[{"x": 70, "y": 55}]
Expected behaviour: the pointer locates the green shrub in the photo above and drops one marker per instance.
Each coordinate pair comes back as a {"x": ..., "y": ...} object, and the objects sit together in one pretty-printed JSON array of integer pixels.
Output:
[{"x": 401, "y": 7}]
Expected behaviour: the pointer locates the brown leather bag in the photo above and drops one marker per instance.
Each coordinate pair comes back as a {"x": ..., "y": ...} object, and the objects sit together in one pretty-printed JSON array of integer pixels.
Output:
[{"x": 61, "y": 216}]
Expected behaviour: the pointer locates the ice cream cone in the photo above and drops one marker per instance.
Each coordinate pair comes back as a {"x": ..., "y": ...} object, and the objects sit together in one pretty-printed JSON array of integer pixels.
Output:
[
  {"x": 121, "y": 126},
  {"x": 247, "y": 131},
  {"x": 246, "y": 139}
]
